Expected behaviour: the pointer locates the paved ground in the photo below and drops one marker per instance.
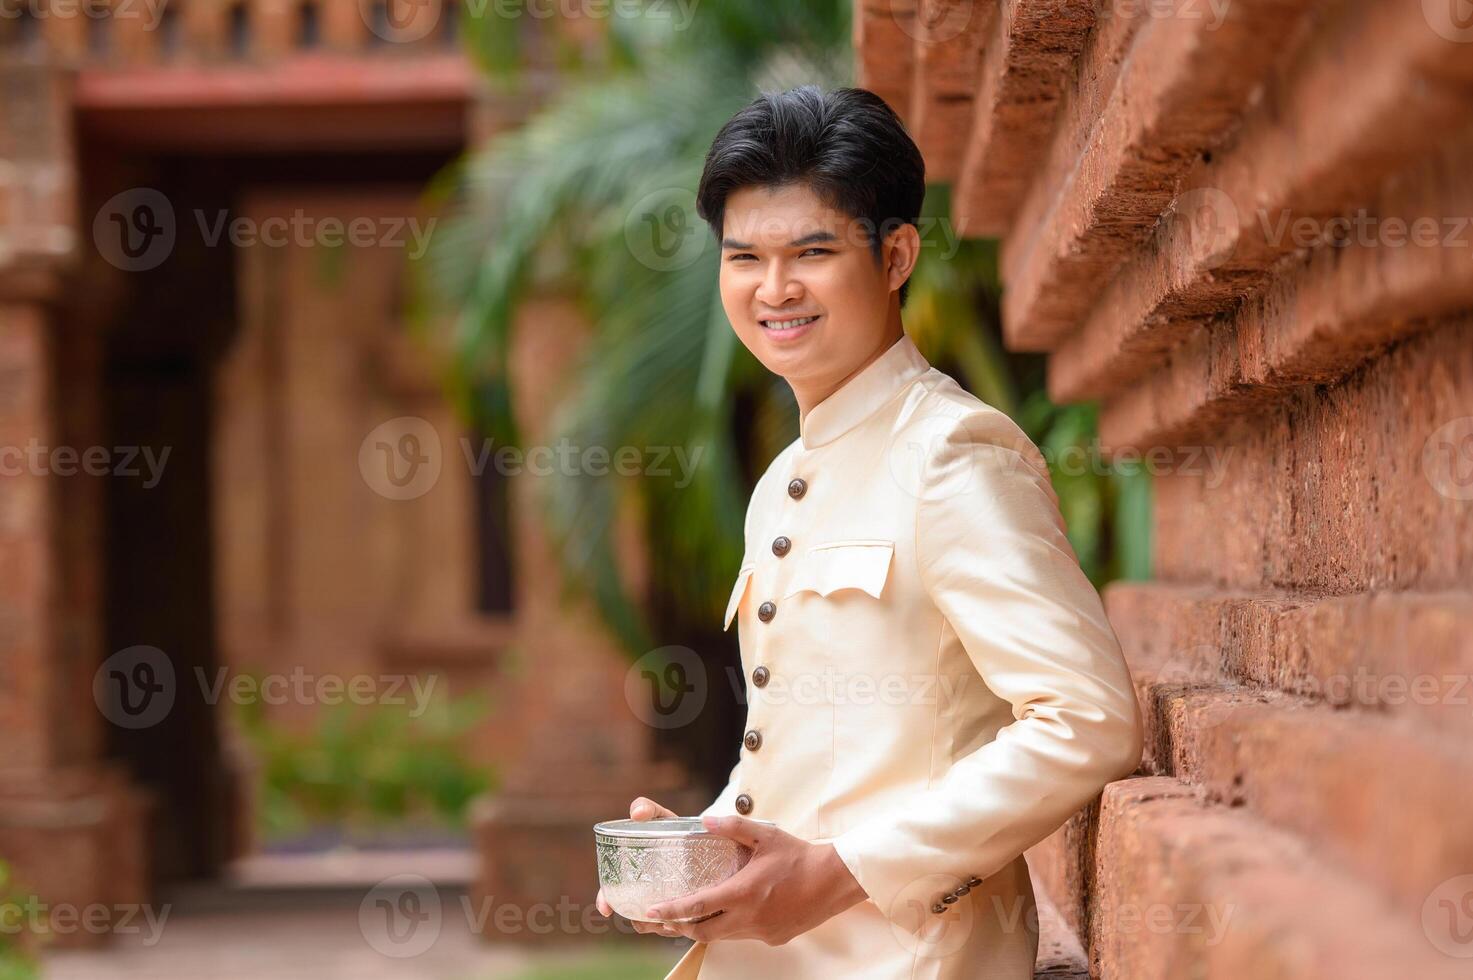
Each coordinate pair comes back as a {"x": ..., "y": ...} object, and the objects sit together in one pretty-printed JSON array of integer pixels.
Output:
[{"x": 328, "y": 934}]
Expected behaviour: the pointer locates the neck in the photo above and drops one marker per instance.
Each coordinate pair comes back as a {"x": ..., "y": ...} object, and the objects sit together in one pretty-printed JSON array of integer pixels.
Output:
[{"x": 810, "y": 393}]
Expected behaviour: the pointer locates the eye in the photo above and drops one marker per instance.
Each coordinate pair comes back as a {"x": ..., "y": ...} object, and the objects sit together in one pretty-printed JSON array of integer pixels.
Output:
[
  {"x": 820, "y": 251},
  {"x": 740, "y": 255}
]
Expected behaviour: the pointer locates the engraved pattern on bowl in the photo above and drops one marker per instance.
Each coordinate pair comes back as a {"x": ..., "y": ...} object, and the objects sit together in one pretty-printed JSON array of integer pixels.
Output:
[{"x": 645, "y": 862}]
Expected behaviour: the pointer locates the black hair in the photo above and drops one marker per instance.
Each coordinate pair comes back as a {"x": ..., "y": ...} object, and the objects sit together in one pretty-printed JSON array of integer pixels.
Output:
[{"x": 847, "y": 145}]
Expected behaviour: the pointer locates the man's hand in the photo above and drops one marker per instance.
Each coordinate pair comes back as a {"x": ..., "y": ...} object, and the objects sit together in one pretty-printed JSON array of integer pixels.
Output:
[
  {"x": 641, "y": 809},
  {"x": 787, "y": 888}
]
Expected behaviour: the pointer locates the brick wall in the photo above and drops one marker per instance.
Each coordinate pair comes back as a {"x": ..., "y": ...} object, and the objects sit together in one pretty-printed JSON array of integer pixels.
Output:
[{"x": 1244, "y": 228}]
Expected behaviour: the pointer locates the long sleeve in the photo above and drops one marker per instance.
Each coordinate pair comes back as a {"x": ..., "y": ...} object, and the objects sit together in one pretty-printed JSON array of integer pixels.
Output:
[{"x": 993, "y": 557}]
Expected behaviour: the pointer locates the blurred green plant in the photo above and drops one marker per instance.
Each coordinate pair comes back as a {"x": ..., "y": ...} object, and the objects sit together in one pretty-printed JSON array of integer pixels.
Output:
[
  {"x": 548, "y": 206},
  {"x": 366, "y": 767},
  {"x": 19, "y": 943}
]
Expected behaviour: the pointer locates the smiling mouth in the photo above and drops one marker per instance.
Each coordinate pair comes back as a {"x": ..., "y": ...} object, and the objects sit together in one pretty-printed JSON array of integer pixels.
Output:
[{"x": 788, "y": 323}]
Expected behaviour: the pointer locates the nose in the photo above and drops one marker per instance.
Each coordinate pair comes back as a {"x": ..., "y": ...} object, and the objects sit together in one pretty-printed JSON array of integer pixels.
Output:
[{"x": 778, "y": 286}]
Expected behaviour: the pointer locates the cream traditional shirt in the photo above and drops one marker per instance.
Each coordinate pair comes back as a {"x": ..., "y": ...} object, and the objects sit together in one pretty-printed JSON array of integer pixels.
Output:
[{"x": 932, "y": 683}]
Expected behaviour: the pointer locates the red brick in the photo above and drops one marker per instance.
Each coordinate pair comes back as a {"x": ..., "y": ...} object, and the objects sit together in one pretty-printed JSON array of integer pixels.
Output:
[
  {"x": 1027, "y": 62},
  {"x": 1280, "y": 912},
  {"x": 948, "y": 46},
  {"x": 884, "y": 50},
  {"x": 1359, "y": 651},
  {"x": 1321, "y": 141},
  {"x": 1184, "y": 83},
  {"x": 1328, "y": 491}
]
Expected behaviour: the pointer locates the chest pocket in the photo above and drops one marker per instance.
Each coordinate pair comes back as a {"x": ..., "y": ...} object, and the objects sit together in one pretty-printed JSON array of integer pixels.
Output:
[
  {"x": 740, "y": 589},
  {"x": 826, "y": 568}
]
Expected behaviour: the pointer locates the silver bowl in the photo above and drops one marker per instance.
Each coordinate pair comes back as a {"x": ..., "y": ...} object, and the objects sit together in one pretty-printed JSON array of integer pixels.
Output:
[{"x": 644, "y": 862}]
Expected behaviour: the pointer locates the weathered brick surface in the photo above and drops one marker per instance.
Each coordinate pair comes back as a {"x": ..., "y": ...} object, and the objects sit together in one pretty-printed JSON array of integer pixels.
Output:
[
  {"x": 1197, "y": 230},
  {"x": 1087, "y": 90},
  {"x": 948, "y": 43},
  {"x": 1403, "y": 264},
  {"x": 1027, "y": 53},
  {"x": 884, "y": 50},
  {"x": 28, "y": 573},
  {"x": 1395, "y": 654},
  {"x": 1197, "y": 890},
  {"x": 1185, "y": 82},
  {"x": 1326, "y": 313},
  {"x": 1331, "y": 490},
  {"x": 1350, "y": 783},
  {"x": 1319, "y": 143}
]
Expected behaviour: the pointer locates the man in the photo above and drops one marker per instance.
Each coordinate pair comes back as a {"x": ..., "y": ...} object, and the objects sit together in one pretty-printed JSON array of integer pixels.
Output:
[{"x": 933, "y": 685}]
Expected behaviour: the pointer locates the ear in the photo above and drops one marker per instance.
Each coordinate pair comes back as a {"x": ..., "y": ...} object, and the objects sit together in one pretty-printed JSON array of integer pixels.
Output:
[{"x": 902, "y": 251}]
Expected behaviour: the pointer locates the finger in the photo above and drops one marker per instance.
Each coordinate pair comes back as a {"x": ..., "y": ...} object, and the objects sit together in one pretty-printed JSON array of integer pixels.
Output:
[
  {"x": 717, "y": 925},
  {"x": 656, "y": 929},
  {"x": 718, "y": 898},
  {"x": 645, "y": 808},
  {"x": 604, "y": 908},
  {"x": 739, "y": 829}
]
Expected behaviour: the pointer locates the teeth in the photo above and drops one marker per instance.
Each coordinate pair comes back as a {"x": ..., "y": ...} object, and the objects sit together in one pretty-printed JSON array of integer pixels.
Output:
[{"x": 787, "y": 324}]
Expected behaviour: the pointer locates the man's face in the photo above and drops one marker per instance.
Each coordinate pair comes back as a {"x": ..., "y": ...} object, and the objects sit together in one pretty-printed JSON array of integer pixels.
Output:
[{"x": 787, "y": 255}]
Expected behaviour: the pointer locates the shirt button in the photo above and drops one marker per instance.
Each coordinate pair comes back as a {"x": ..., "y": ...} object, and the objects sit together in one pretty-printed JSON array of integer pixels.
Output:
[
  {"x": 796, "y": 488},
  {"x": 760, "y": 675},
  {"x": 974, "y": 881},
  {"x": 752, "y": 740},
  {"x": 938, "y": 908},
  {"x": 744, "y": 804},
  {"x": 781, "y": 545},
  {"x": 766, "y": 611}
]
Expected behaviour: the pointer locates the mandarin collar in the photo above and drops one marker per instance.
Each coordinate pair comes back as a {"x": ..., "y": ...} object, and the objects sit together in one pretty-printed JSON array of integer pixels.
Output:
[{"x": 864, "y": 394}]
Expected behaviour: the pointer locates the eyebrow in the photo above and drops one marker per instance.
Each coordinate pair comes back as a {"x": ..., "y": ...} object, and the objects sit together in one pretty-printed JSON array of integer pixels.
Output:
[{"x": 810, "y": 239}]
